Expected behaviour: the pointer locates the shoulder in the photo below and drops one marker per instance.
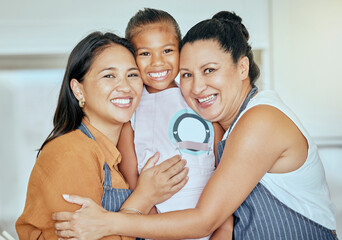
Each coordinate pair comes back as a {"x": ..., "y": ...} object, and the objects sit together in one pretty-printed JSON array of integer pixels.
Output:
[
  {"x": 264, "y": 127},
  {"x": 73, "y": 147}
]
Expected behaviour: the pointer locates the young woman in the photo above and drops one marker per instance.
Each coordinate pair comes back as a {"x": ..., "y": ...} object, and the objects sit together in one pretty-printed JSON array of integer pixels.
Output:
[
  {"x": 100, "y": 91},
  {"x": 270, "y": 175}
]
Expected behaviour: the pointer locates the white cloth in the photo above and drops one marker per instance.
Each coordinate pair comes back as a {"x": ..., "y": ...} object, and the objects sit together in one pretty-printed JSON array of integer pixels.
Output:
[
  {"x": 304, "y": 190},
  {"x": 164, "y": 122}
]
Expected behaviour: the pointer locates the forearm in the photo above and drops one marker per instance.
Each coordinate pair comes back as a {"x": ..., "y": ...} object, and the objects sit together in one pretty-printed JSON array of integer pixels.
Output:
[
  {"x": 193, "y": 224},
  {"x": 138, "y": 201}
]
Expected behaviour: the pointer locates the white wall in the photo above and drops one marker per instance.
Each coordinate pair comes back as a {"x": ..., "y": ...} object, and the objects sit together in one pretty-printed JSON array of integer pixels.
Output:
[
  {"x": 39, "y": 26},
  {"x": 305, "y": 62}
]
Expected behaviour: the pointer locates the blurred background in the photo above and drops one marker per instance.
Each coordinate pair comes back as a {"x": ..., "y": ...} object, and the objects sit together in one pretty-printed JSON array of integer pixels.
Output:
[{"x": 297, "y": 43}]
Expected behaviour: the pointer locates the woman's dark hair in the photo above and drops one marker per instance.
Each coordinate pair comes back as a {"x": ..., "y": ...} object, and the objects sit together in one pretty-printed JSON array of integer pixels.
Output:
[
  {"x": 68, "y": 115},
  {"x": 150, "y": 16},
  {"x": 227, "y": 29}
]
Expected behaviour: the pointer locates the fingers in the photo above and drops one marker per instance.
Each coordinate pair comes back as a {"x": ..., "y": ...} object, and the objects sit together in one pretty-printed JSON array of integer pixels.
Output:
[
  {"x": 62, "y": 226},
  {"x": 76, "y": 199},
  {"x": 62, "y": 216},
  {"x": 179, "y": 177},
  {"x": 169, "y": 163},
  {"x": 175, "y": 168},
  {"x": 65, "y": 233},
  {"x": 152, "y": 161},
  {"x": 179, "y": 185}
]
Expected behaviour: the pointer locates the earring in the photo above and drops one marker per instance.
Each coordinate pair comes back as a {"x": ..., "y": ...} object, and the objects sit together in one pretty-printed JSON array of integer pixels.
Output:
[{"x": 81, "y": 103}]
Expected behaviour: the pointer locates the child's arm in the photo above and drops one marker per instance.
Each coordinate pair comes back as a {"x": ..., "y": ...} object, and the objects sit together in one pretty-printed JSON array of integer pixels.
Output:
[
  {"x": 128, "y": 166},
  {"x": 225, "y": 231}
]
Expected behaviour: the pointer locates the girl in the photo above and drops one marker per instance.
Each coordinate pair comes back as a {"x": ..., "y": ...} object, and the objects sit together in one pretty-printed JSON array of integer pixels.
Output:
[
  {"x": 163, "y": 121},
  {"x": 100, "y": 91},
  {"x": 270, "y": 174}
]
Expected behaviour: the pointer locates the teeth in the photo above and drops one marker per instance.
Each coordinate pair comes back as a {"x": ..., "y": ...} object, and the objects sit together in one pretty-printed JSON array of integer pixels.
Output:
[
  {"x": 121, "y": 100},
  {"x": 207, "y": 99},
  {"x": 158, "y": 74}
]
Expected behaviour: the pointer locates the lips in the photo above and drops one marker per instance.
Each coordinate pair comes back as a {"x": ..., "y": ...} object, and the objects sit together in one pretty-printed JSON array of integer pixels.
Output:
[
  {"x": 159, "y": 76},
  {"x": 123, "y": 102},
  {"x": 207, "y": 100}
]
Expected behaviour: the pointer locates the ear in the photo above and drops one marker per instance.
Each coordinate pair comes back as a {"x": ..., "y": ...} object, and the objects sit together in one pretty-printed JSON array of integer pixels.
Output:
[
  {"x": 77, "y": 89},
  {"x": 244, "y": 67}
]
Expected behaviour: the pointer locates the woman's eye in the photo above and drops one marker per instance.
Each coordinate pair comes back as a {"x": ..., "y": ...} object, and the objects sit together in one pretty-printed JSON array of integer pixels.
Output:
[
  {"x": 133, "y": 75},
  {"x": 186, "y": 75},
  {"x": 144, "y": 54},
  {"x": 168, "y": 50},
  {"x": 109, "y": 76},
  {"x": 209, "y": 70}
]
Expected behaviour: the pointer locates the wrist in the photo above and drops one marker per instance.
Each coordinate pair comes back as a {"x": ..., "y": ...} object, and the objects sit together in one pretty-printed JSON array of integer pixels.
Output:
[
  {"x": 110, "y": 223},
  {"x": 141, "y": 201}
]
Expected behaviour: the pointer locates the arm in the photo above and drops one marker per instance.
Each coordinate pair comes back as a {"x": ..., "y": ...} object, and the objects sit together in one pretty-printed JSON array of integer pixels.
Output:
[
  {"x": 128, "y": 165},
  {"x": 56, "y": 172},
  {"x": 260, "y": 140}
]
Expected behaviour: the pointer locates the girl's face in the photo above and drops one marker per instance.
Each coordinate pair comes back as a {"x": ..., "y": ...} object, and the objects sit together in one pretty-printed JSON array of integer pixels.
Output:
[
  {"x": 210, "y": 81},
  {"x": 111, "y": 88},
  {"x": 157, "y": 55}
]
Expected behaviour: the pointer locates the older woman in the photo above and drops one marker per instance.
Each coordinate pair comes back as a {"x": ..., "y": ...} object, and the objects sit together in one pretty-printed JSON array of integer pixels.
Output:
[
  {"x": 99, "y": 93},
  {"x": 270, "y": 175}
]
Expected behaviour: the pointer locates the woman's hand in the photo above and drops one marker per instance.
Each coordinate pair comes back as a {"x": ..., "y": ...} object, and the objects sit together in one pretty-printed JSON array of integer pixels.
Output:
[
  {"x": 84, "y": 223},
  {"x": 155, "y": 185},
  {"x": 159, "y": 183}
]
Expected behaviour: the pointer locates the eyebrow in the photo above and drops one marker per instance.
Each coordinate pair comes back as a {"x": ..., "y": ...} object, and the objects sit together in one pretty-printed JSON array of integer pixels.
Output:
[
  {"x": 186, "y": 69},
  {"x": 114, "y": 68},
  {"x": 166, "y": 45}
]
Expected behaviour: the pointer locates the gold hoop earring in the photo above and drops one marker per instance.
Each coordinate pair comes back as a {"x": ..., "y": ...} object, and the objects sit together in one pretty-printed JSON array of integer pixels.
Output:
[{"x": 81, "y": 103}]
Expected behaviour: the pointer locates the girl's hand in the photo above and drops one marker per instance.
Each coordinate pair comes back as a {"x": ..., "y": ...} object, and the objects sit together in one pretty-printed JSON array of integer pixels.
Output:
[{"x": 84, "y": 223}]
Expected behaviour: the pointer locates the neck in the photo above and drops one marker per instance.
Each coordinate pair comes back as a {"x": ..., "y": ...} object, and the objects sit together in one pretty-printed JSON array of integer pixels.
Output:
[
  {"x": 111, "y": 130},
  {"x": 236, "y": 105}
]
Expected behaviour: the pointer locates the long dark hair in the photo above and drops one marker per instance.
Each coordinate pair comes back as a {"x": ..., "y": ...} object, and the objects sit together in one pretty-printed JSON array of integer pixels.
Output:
[
  {"x": 150, "y": 16},
  {"x": 227, "y": 29},
  {"x": 69, "y": 114}
]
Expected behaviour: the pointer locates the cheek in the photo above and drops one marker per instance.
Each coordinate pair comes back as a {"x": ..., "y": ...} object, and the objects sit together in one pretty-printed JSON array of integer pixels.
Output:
[
  {"x": 186, "y": 89},
  {"x": 137, "y": 86},
  {"x": 141, "y": 63}
]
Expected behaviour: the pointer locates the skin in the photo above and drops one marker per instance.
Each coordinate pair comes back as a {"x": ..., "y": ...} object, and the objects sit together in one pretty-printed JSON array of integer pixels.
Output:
[
  {"x": 156, "y": 47},
  {"x": 157, "y": 52},
  {"x": 264, "y": 140},
  {"x": 111, "y": 90}
]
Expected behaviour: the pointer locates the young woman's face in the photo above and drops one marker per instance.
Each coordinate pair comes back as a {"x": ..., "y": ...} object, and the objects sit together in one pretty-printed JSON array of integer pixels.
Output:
[
  {"x": 157, "y": 55},
  {"x": 112, "y": 87},
  {"x": 210, "y": 81}
]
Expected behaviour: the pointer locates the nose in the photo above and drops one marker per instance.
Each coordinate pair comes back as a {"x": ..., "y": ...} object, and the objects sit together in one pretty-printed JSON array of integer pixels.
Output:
[
  {"x": 157, "y": 60},
  {"x": 198, "y": 85},
  {"x": 124, "y": 85}
]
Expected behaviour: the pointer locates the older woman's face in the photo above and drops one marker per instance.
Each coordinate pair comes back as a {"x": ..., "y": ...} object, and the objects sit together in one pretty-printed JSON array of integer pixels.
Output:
[
  {"x": 112, "y": 87},
  {"x": 209, "y": 79}
]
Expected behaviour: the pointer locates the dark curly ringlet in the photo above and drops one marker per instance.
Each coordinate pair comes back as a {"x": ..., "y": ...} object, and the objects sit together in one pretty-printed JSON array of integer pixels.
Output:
[
  {"x": 227, "y": 29},
  {"x": 150, "y": 16},
  {"x": 68, "y": 114}
]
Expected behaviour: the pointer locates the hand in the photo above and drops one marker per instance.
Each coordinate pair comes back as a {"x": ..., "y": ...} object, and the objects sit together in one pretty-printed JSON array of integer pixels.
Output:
[
  {"x": 159, "y": 183},
  {"x": 84, "y": 223}
]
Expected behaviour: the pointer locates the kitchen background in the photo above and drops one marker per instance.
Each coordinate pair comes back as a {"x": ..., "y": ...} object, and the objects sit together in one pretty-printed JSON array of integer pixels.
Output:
[{"x": 296, "y": 42}]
